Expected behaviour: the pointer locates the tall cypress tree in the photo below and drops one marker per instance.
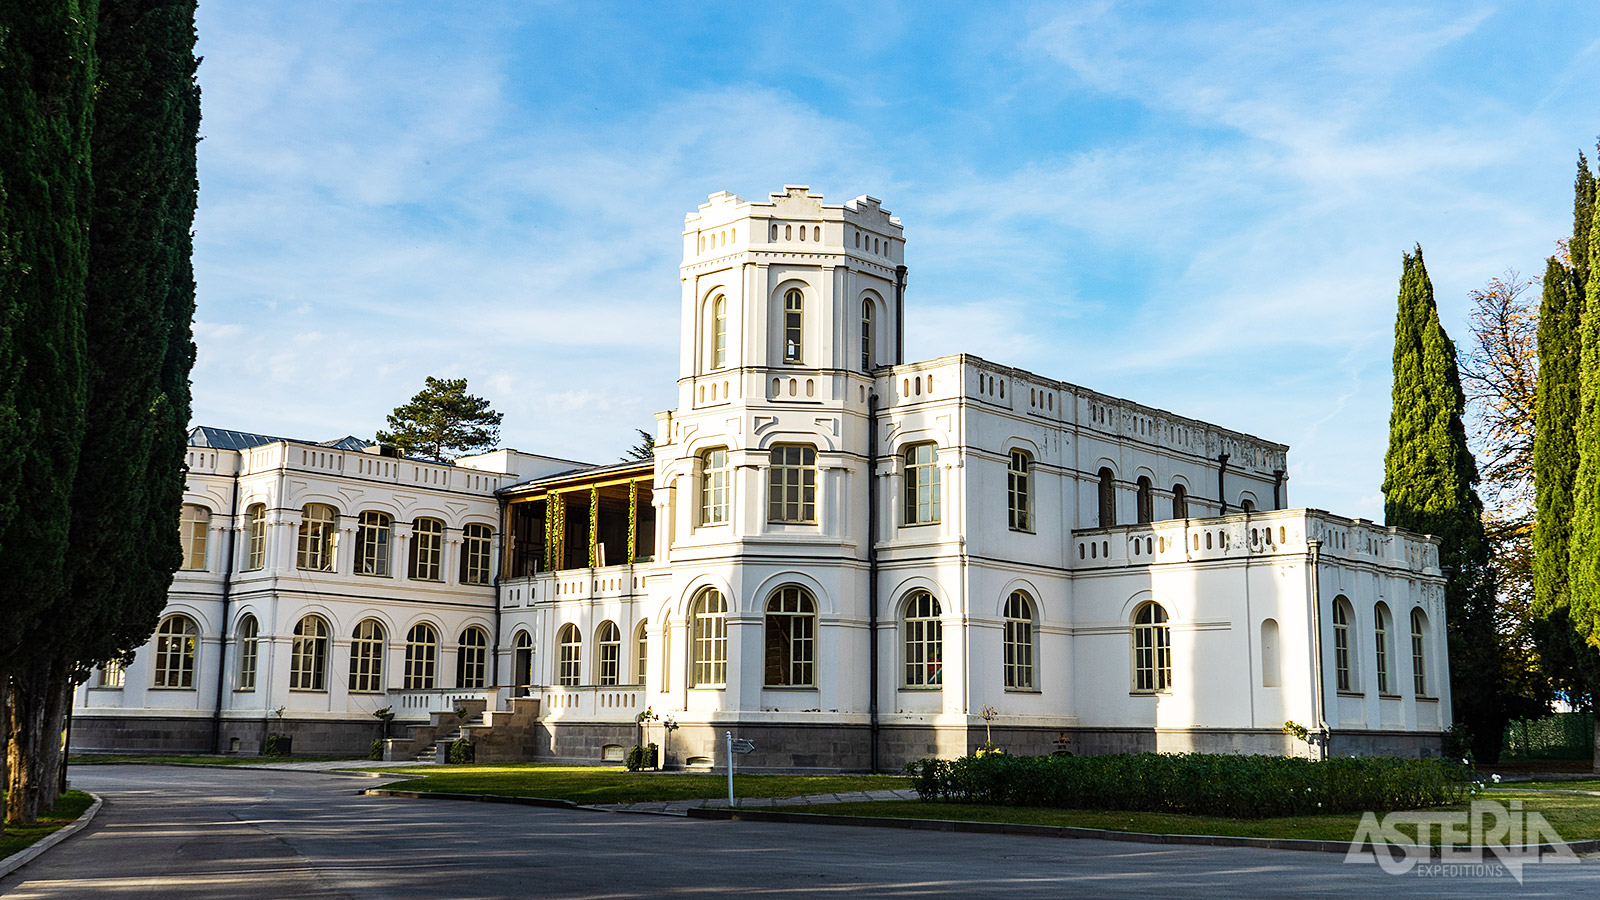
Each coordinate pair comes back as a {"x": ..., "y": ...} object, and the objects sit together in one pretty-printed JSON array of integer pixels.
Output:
[
  {"x": 1583, "y": 204},
  {"x": 1584, "y": 562},
  {"x": 46, "y": 78},
  {"x": 1428, "y": 487}
]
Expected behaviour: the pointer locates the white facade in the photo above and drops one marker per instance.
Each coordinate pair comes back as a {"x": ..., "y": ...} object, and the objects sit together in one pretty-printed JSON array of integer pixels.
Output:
[{"x": 1098, "y": 574}]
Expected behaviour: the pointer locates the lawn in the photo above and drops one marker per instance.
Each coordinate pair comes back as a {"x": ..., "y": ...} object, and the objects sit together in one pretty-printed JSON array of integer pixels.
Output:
[
  {"x": 1574, "y": 817},
  {"x": 593, "y": 784},
  {"x": 110, "y": 758},
  {"x": 70, "y": 807}
]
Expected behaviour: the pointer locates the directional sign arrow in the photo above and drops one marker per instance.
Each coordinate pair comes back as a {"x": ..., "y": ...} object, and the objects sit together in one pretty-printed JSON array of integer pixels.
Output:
[{"x": 740, "y": 745}]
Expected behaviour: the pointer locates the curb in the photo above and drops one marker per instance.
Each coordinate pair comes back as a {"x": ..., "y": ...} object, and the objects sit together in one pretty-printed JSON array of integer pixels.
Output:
[
  {"x": 1099, "y": 834},
  {"x": 28, "y": 854},
  {"x": 478, "y": 798},
  {"x": 248, "y": 767}
]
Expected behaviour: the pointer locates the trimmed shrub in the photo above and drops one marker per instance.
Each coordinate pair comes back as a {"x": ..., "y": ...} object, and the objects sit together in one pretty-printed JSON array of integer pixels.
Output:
[
  {"x": 461, "y": 751},
  {"x": 642, "y": 757},
  {"x": 1243, "y": 787}
]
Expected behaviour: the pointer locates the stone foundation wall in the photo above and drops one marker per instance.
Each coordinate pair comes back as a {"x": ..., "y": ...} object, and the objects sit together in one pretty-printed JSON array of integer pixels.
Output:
[{"x": 311, "y": 737}]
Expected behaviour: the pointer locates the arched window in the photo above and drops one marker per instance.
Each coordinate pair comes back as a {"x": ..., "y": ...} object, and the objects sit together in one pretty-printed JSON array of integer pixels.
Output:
[
  {"x": 866, "y": 336},
  {"x": 1019, "y": 506},
  {"x": 719, "y": 331},
  {"x": 175, "y": 645},
  {"x": 472, "y": 658},
  {"x": 1271, "y": 670},
  {"x": 308, "y": 659},
  {"x": 1180, "y": 502},
  {"x": 522, "y": 659},
  {"x": 1247, "y": 505},
  {"x": 1341, "y": 644},
  {"x": 1380, "y": 646},
  {"x": 1152, "y": 649},
  {"x": 714, "y": 486},
  {"x": 792, "y": 485},
  {"x": 641, "y": 651},
  {"x": 709, "y": 622},
  {"x": 568, "y": 673},
  {"x": 422, "y": 655},
  {"x": 256, "y": 537},
  {"x": 1146, "y": 501},
  {"x": 366, "y": 658},
  {"x": 791, "y": 630},
  {"x": 372, "y": 543},
  {"x": 1019, "y": 642},
  {"x": 608, "y": 653},
  {"x": 1108, "y": 498},
  {"x": 427, "y": 550},
  {"x": 922, "y": 484},
  {"x": 319, "y": 536},
  {"x": 248, "y": 635},
  {"x": 476, "y": 541},
  {"x": 924, "y": 641},
  {"x": 793, "y": 325},
  {"x": 196, "y": 524},
  {"x": 113, "y": 674},
  {"x": 1419, "y": 644}
]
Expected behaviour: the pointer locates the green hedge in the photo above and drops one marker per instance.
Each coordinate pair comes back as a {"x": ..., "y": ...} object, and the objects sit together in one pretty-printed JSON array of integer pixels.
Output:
[{"x": 1244, "y": 787}]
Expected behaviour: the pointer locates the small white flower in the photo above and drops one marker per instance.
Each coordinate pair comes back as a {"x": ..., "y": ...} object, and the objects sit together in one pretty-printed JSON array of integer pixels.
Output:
[{"x": 1496, "y": 778}]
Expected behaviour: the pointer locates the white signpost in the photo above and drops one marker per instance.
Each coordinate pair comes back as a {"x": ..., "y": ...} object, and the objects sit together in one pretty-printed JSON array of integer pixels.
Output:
[{"x": 739, "y": 746}]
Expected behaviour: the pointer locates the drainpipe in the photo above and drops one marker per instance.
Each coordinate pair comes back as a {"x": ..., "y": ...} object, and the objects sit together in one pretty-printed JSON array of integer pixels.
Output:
[
  {"x": 1222, "y": 471},
  {"x": 872, "y": 569},
  {"x": 227, "y": 592},
  {"x": 1320, "y": 704},
  {"x": 1277, "y": 488},
  {"x": 899, "y": 314}
]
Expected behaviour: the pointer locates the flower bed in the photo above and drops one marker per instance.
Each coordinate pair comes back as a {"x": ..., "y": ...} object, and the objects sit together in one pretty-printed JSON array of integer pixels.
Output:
[{"x": 1246, "y": 787}]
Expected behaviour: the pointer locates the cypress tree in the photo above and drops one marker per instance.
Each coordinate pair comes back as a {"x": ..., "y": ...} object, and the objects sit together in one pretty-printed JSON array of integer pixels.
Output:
[
  {"x": 46, "y": 78},
  {"x": 1583, "y": 201},
  {"x": 1428, "y": 487},
  {"x": 1584, "y": 562}
]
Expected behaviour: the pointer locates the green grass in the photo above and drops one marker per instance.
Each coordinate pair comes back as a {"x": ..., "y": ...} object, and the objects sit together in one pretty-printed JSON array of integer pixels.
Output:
[
  {"x": 593, "y": 784},
  {"x": 109, "y": 758},
  {"x": 1587, "y": 784},
  {"x": 70, "y": 807},
  {"x": 1574, "y": 817}
]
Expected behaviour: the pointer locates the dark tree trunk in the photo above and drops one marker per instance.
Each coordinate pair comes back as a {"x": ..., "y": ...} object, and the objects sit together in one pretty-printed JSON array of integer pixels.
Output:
[{"x": 30, "y": 699}]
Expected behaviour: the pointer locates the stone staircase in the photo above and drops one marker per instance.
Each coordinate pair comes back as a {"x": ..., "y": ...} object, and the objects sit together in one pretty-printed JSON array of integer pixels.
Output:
[{"x": 497, "y": 736}]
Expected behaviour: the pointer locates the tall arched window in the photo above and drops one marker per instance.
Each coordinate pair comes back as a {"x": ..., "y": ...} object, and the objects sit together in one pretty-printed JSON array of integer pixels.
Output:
[
  {"x": 924, "y": 641},
  {"x": 1019, "y": 642},
  {"x": 866, "y": 336},
  {"x": 1108, "y": 498},
  {"x": 1146, "y": 501},
  {"x": 1341, "y": 645},
  {"x": 568, "y": 673},
  {"x": 1247, "y": 505},
  {"x": 1419, "y": 647},
  {"x": 476, "y": 541},
  {"x": 427, "y": 550},
  {"x": 319, "y": 536},
  {"x": 366, "y": 658},
  {"x": 608, "y": 653},
  {"x": 714, "y": 486},
  {"x": 791, "y": 631},
  {"x": 792, "y": 485},
  {"x": 522, "y": 659},
  {"x": 1380, "y": 646},
  {"x": 422, "y": 656},
  {"x": 922, "y": 484},
  {"x": 1180, "y": 502},
  {"x": 196, "y": 525},
  {"x": 1019, "y": 506},
  {"x": 472, "y": 658},
  {"x": 719, "y": 331},
  {"x": 256, "y": 537},
  {"x": 248, "y": 635},
  {"x": 641, "y": 651},
  {"x": 308, "y": 658},
  {"x": 709, "y": 622},
  {"x": 794, "y": 304},
  {"x": 175, "y": 645},
  {"x": 372, "y": 543},
  {"x": 1152, "y": 649}
]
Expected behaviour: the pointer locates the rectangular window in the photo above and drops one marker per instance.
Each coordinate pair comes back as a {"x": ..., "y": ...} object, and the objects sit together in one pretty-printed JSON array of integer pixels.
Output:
[
  {"x": 714, "y": 487},
  {"x": 372, "y": 544},
  {"x": 318, "y": 538},
  {"x": 427, "y": 550},
  {"x": 1017, "y": 487},
  {"x": 1418, "y": 667},
  {"x": 257, "y": 537},
  {"x": 1380, "y": 641},
  {"x": 922, "y": 484},
  {"x": 196, "y": 524},
  {"x": 792, "y": 486},
  {"x": 112, "y": 674},
  {"x": 719, "y": 338},
  {"x": 793, "y": 325},
  {"x": 476, "y": 541}
]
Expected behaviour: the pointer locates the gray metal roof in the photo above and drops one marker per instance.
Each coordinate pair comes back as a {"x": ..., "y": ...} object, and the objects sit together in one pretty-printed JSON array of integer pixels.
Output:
[{"x": 227, "y": 439}]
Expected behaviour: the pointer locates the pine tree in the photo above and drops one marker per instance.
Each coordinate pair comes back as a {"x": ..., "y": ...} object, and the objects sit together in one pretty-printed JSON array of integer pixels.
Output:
[
  {"x": 1429, "y": 487},
  {"x": 443, "y": 421},
  {"x": 46, "y": 79}
]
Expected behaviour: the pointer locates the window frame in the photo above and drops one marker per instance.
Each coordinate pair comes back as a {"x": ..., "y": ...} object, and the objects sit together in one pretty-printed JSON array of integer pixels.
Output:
[
  {"x": 1152, "y": 649},
  {"x": 1382, "y": 628},
  {"x": 708, "y": 640},
  {"x": 255, "y": 537},
  {"x": 308, "y": 656},
  {"x": 792, "y": 485},
  {"x": 715, "y": 495},
  {"x": 922, "y": 642},
  {"x": 789, "y": 639},
  {"x": 427, "y": 550},
  {"x": 422, "y": 658},
  {"x": 922, "y": 484},
  {"x": 195, "y": 525},
  {"x": 719, "y": 331},
  {"x": 569, "y": 659},
  {"x": 177, "y": 646},
  {"x": 867, "y": 334},
  {"x": 1343, "y": 648},
  {"x": 318, "y": 546},
  {"x": 1106, "y": 496},
  {"x": 1144, "y": 501},
  {"x": 1419, "y": 653},
  {"x": 472, "y": 658},
  {"x": 367, "y": 657},
  {"x": 607, "y": 654},
  {"x": 1180, "y": 500},
  {"x": 794, "y": 323},
  {"x": 374, "y": 544},
  {"x": 522, "y": 658},
  {"x": 1019, "y": 491},
  {"x": 641, "y": 650},
  {"x": 1021, "y": 647},
  {"x": 477, "y": 553},
  {"x": 247, "y": 634}
]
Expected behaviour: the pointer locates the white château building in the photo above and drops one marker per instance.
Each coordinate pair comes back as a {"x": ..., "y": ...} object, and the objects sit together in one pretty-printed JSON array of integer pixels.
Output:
[{"x": 849, "y": 559}]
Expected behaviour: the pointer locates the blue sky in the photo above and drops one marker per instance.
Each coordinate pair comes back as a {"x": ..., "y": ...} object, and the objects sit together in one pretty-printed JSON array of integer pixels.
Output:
[{"x": 1198, "y": 207}]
